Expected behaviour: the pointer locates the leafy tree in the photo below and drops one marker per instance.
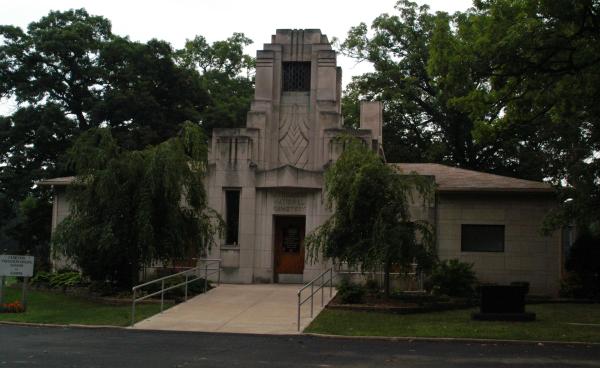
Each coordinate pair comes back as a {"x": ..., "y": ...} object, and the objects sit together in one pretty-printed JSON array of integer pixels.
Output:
[
  {"x": 69, "y": 73},
  {"x": 147, "y": 94},
  {"x": 226, "y": 56},
  {"x": 424, "y": 72},
  {"x": 130, "y": 208},
  {"x": 51, "y": 71},
  {"x": 583, "y": 261},
  {"x": 227, "y": 75},
  {"x": 56, "y": 61},
  {"x": 508, "y": 87},
  {"x": 31, "y": 229},
  {"x": 420, "y": 125},
  {"x": 7, "y": 221},
  {"x": 537, "y": 70},
  {"x": 371, "y": 224}
]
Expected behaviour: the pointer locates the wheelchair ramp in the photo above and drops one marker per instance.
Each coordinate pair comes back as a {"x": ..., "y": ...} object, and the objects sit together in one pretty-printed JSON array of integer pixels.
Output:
[{"x": 253, "y": 308}]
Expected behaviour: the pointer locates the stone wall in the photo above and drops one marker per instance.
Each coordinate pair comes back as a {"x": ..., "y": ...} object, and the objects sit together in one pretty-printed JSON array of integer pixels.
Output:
[
  {"x": 60, "y": 206},
  {"x": 251, "y": 261},
  {"x": 528, "y": 255}
]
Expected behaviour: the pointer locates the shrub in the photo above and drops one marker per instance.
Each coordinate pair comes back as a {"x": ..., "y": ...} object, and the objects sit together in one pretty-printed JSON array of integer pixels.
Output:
[
  {"x": 452, "y": 278},
  {"x": 583, "y": 263},
  {"x": 58, "y": 280},
  {"x": 41, "y": 278},
  {"x": 372, "y": 286},
  {"x": 572, "y": 286},
  {"x": 65, "y": 279},
  {"x": 351, "y": 293}
]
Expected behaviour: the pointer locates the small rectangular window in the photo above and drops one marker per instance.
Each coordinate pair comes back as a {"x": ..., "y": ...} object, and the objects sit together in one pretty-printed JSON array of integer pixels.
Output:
[
  {"x": 232, "y": 216},
  {"x": 482, "y": 238},
  {"x": 296, "y": 76}
]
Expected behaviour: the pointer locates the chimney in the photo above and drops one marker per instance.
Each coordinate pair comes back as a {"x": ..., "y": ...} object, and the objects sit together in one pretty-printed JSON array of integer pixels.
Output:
[{"x": 371, "y": 118}]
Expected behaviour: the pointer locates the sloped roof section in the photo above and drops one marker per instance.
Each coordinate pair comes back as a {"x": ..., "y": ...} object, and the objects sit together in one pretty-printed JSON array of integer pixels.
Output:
[
  {"x": 65, "y": 180},
  {"x": 454, "y": 179}
]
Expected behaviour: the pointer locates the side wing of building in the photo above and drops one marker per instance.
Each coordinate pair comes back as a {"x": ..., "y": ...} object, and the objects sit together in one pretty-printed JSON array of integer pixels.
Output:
[{"x": 495, "y": 222}]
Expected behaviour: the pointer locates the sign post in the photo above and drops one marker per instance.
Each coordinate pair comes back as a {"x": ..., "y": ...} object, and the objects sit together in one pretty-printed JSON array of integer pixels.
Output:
[
  {"x": 1, "y": 290},
  {"x": 17, "y": 266}
]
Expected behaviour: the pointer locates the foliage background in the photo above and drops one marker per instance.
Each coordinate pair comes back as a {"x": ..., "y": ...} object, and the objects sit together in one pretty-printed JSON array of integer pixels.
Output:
[
  {"x": 69, "y": 73},
  {"x": 507, "y": 87}
]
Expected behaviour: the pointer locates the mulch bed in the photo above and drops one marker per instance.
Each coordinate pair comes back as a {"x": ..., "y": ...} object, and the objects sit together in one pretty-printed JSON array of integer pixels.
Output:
[{"x": 375, "y": 303}]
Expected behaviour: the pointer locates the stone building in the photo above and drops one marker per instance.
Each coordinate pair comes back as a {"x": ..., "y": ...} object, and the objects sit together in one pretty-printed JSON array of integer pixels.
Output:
[
  {"x": 266, "y": 180},
  {"x": 271, "y": 171}
]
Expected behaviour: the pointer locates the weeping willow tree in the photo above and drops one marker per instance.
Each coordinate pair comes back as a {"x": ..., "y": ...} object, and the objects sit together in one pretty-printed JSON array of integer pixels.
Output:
[
  {"x": 371, "y": 225},
  {"x": 129, "y": 208}
]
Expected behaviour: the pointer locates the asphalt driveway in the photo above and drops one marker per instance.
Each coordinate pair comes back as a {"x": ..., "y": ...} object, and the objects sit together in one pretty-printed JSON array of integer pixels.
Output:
[{"x": 22, "y": 346}]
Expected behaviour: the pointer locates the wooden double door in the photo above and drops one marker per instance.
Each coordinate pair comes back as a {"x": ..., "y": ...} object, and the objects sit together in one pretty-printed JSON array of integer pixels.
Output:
[{"x": 289, "y": 247}]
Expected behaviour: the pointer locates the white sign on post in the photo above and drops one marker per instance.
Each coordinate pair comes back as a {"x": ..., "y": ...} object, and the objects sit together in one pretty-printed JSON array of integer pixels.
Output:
[{"x": 21, "y": 266}]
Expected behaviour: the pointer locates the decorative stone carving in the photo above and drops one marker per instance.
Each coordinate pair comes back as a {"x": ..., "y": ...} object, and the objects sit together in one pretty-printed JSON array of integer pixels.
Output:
[{"x": 293, "y": 135}]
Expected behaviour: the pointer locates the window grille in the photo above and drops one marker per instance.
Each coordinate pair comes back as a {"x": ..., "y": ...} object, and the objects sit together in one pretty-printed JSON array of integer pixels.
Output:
[{"x": 296, "y": 76}]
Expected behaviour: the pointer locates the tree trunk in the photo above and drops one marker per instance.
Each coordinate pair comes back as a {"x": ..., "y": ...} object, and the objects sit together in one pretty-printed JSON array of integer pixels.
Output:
[
  {"x": 386, "y": 278},
  {"x": 135, "y": 274},
  {"x": 83, "y": 123}
]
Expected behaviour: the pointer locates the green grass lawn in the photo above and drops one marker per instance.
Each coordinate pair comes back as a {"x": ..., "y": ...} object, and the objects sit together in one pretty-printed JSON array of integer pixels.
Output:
[
  {"x": 551, "y": 324},
  {"x": 57, "y": 308}
]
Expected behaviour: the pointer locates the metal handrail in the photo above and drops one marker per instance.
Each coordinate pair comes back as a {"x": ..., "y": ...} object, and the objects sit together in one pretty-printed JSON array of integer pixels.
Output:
[
  {"x": 192, "y": 271},
  {"x": 321, "y": 287}
]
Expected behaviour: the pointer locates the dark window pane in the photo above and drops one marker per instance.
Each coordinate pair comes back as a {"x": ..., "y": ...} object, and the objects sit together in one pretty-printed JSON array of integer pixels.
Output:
[
  {"x": 296, "y": 77},
  {"x": 482, "y": 238},
  {"x": 232, "y": 216}
]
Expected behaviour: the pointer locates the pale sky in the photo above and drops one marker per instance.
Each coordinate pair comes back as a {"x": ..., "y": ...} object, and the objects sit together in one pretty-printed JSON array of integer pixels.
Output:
[{"x": 177, "y": 20}]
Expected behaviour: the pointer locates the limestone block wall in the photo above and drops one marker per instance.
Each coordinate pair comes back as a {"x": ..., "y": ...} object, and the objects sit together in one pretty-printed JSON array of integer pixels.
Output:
[
  {"x": 528, "y": 255},
  {"x": 231, "y": 157},
  {"x": 60, "y": 206}
]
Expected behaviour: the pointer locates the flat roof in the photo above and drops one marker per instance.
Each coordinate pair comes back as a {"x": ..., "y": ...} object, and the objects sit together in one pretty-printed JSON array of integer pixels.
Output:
[{"x": 454, "y": 179}]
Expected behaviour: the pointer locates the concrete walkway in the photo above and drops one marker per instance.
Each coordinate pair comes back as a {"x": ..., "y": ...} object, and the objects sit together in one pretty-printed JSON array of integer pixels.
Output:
[{"x": 255, "y": 308}]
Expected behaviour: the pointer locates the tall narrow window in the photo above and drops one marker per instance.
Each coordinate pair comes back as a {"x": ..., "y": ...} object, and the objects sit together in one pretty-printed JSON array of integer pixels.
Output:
[
  {"x": 296, "y": 76},
  {"x": 232, "y": 216},
  {"x": 482, "y": 238}
]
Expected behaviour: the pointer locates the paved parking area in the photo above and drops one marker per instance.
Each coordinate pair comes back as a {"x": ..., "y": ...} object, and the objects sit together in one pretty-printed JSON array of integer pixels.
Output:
[{"x": 254, "y": 308}]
